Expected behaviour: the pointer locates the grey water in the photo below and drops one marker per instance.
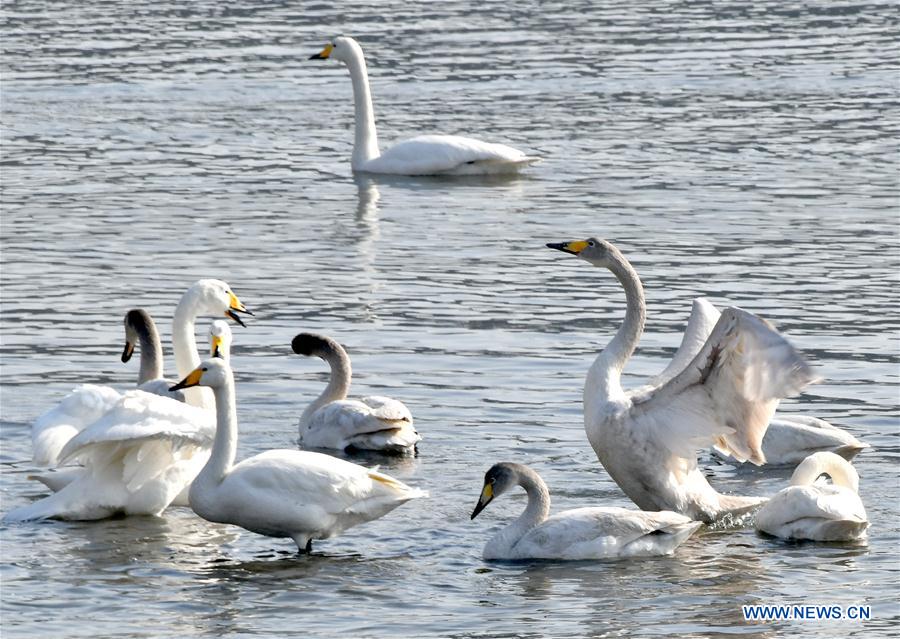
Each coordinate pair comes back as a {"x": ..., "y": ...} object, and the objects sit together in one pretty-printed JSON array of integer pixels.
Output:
[{"x": 743, "y": 151}]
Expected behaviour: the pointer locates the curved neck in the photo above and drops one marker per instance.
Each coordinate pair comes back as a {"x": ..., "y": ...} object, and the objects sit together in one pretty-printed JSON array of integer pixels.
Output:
[
  {"x": 151, "y": 352},
  {"x": 617, "y": 353},
  {"x": 185, "y": 346},
  {"x": 535, "y": 512},
  {"x": 842, "y": 473},
  {"x": 338, "y": 384},
  {"x": 225, "y": 445},
  {"x": 365, "y": 140}
]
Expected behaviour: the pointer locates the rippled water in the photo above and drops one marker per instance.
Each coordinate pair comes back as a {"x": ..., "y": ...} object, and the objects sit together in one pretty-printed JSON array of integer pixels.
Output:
[{"x": 743, "y": 151}]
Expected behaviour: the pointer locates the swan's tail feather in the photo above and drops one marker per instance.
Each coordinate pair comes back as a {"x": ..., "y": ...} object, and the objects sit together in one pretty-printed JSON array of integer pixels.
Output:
[{"x": 58, "y": 506}]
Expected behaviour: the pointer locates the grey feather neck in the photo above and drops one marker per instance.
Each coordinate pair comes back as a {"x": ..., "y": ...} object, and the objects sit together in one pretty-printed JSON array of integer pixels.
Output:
[
  {"x": 339, "y": 382},
  {"x": 151, "y": 349}
]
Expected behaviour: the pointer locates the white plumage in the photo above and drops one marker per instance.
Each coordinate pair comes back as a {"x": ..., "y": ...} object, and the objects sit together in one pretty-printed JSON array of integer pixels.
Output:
[
  {"x": 725, "y": 394},
  {"x": 283, "y": 493},
  {"x": 808, "y": 509},
  {"x": 372, "y": 423},
  {"x": 137, "y": 459},
  {"x": 421, "y": 155},
  {"x": 581, "y": 533}
]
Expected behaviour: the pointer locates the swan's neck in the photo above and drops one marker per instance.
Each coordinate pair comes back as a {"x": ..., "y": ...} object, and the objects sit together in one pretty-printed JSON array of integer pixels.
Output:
[
  {"x": 607, "y": 369},
  {"x": 365, "y": 141},
  {"x": 338, "y": 384},
  {"x": 536, "y": 511},
  {"x": 842, "y": 473},
  {"x": 225, "y": 445},
  {"x": 151, "y": 354},
  {"x": 185, "y": 346}
]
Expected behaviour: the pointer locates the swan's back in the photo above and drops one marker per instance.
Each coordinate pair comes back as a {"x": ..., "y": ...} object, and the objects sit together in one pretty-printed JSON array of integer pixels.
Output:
[
  {"x": 818, "y": 512},
  {"x": 371, "y": 423},
  {"x": 291, "y": 493},
  {"x": 448, "y": 155},
  {"x": 600, "y": 533}
]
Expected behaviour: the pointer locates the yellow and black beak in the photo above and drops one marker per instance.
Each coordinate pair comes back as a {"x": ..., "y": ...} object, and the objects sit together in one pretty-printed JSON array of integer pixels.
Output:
[
  {"x": 569, "y": 247},
  {"x": 216, "y": 346},
  {"x": 487, "y": 495},
  {"x": 236, "y": 307},
  {"x": 128, "y": 352},
  {"x": 324, "y": 53},
  {"x": 193, "y": 379}
]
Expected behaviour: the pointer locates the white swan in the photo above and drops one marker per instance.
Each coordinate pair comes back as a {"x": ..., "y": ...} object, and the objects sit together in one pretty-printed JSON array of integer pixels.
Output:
[
  {"x": 332, "y": 421},
  {"x": 581, "y": 533},
  {"x": 810, "y": 510},
  {"x": 89, "y": 402},
  {"x": 647, "y": 438},
  {"x": 422, "y": 155},
  {"x": 141, "y": 455},
  {"x": 171, "y": 447},
  {"x": 789, "y": 439},
  {"x": 283, "y": 493}
]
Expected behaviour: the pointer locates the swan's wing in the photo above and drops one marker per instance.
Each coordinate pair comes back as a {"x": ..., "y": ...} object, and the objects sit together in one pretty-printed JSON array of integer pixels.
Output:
[
  {"x": 141, "y": 417},
  {"x": 790, "y": 439},
  {"x": 53, "y": 429},
  {"x": 435, "y": 154},
  {"x": 605, "y": 532},
  {"x": 161, "y": 387},
  {"x": 387, "y": 409},
  {"x": 700, "y": 324},
  {"x": 729, "y": 391}
]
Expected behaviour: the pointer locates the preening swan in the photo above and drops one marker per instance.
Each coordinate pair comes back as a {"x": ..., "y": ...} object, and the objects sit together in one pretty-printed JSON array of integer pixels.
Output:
[
  {"x": 789, "y": 439},
  {"x": 422, "y": 155},
  {"x": 89, "y": 402},
  {"x": 647, "y": 438},
  {"x": 332, "y": 421},
  {"x": 581, "y": 533},
  {"x": 283, "y": 493},
  {"x": 811, "y": 510}
]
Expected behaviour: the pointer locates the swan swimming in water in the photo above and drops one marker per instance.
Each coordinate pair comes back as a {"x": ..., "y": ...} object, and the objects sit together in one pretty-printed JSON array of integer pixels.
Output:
[
  {"x": 581, "y": 533},
  {"x": 726, "y": 394},
  {"x": 332, "y": 421},
  {"x": 142, "y": 454},
  {"x": 810, "y": 510},
  {"x": 283, "y": 493},
  {"x": 421, "y": 155}
]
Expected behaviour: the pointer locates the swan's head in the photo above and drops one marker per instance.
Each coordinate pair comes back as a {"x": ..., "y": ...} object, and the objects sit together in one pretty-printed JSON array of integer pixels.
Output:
[
  {"x": 497, "y": 480},
  {"x": 597, "y": 252},
  {"x": 213, "y": 373},
  {"x": 220, "y": 339},
  {"x": 138, "y": 323},
  {"x": 215, "y": 297},
  {"x": 341, "y": 48},
  {"x": 311, "y": 344}
]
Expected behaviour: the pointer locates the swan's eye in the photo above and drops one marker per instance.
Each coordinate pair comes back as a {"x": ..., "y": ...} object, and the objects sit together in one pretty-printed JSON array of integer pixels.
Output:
[
  {"x": 204, "y": 369},
  {"x": 590, "y": 243}
]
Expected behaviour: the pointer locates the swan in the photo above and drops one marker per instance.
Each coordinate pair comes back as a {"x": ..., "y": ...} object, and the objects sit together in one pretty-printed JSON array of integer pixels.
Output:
[
  {"x": 821, "y": 512},
  {"x": 332, "y": 421},
  {"x": 789, "y": 439},
  {"x": 646, "y": 438},
  {"x": 137, "y": 459},
  {"x": 421, "y": 155},
  {"x": 283, "y": 493},
  {"x": 88, "y": 402},
  {"x": 581, "y": 533}
]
